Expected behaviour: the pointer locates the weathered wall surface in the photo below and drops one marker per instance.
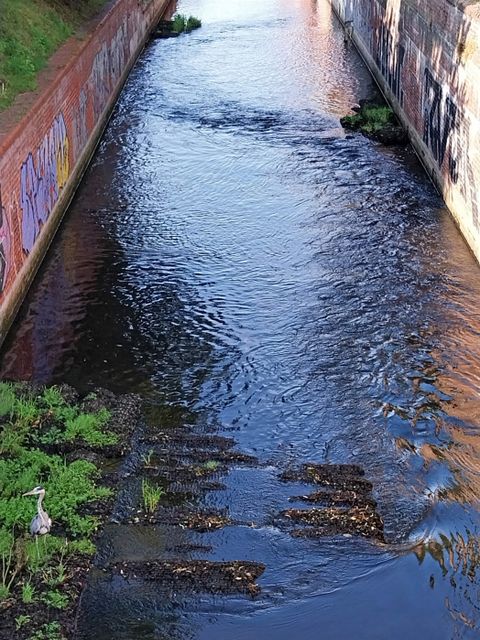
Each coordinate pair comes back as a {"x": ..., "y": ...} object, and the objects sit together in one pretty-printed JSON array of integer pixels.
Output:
[
  {"x": 43, "y": 157},
  {"x": 426, "y": 56}
]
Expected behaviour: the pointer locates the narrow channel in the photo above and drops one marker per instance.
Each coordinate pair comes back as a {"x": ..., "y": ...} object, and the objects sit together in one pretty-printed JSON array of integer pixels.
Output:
[{"x": 252, "y": 271}]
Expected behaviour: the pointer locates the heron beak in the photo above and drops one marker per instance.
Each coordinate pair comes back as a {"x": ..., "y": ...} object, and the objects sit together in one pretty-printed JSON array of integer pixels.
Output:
[{"x": 29, "y": 493}]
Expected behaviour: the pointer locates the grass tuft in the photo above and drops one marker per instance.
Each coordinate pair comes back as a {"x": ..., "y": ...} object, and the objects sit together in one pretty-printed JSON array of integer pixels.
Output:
[
  {"x": 211, "y": 465},
  {"x": 151, "y": 495}
]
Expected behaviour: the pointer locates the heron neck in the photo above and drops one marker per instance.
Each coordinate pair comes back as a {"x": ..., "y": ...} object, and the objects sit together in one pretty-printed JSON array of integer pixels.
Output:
[{"x": 39, "y": 504}]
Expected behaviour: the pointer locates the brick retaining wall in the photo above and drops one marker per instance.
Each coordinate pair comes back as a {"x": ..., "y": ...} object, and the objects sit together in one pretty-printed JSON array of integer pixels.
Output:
[
  {"x": 42, "y": 158},
  {"x": 425, "y": 55}
]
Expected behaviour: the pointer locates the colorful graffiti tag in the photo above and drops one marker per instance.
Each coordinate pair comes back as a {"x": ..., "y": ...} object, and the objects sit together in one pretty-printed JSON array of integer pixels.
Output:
[
  {"x": 41, "y": 180},
  {"x": 107, "y": 68},
  {"x": 5, "y": 246},
  {"x": 80, "y": 129}
]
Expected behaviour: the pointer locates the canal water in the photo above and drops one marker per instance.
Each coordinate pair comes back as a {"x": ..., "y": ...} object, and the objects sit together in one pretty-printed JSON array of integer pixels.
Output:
[{"x": 248, "y": 268}]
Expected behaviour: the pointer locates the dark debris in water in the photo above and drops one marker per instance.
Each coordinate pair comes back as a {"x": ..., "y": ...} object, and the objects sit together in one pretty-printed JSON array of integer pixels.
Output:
[
  {"x": 197, "y": 488},
  {"x": 331, "y": 521},
  {"x": 189, "y": 547},
  {"x": 184, "y": 474},
  {"x": 183, "y": 439},
  {"x": 328, "y": 498},
  {"x": 198, "y": 575},
  {"x": 348, "y": 507},
  {"x": 346, "y": 477},
  {"x": 223, "y": 456},
  {"x": 201, "y": 520}
]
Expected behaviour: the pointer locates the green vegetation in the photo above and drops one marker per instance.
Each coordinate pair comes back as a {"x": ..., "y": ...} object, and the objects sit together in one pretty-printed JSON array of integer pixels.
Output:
[
  {"x": 181, "y": 24},
  {"x": 370, "y": 118},
  {"x": 21, "y": 621},
  {"x": 34, "y": 426},
  {"x": 49, "y": 631},
  {"x": 47, "y": 419},
  {"x": 211, "y": 465},
  {"x": 30, "y": 32},
  {"x": 56, "y": 599},
  {"x": 147, "y": 457},
  {"x": 192, "y": 23},
  {"x": 151, "y": 495},
  {"x": 28, "y": 592}
]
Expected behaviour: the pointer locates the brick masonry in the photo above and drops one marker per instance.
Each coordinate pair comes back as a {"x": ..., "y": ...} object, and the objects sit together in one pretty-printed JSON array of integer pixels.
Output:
[
  {"x": 43, "y": 156},
  {"x": 425, "y": 54}
]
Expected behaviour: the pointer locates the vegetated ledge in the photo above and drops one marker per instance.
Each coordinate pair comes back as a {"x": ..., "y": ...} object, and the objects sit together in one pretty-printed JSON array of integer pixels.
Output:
[
  {"x": 30, "y": 32},
  {"x": 53, "y": 438},
  {"x": 177, "y": 25},
  {"x": 376, "y": 121}
]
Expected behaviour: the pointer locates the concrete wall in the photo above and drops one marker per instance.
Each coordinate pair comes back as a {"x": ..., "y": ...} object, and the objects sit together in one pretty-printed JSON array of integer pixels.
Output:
[
  {"x": 43, "y": 156},
  {"x": 425, "y": 55}
]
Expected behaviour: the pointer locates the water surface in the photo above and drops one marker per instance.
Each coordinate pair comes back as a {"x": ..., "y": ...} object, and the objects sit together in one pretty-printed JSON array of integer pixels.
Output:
[{"x": 239, "y": 261}]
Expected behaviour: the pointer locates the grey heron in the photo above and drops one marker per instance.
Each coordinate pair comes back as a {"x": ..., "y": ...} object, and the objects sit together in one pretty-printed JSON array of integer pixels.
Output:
[{"x": 41, "y": 523}]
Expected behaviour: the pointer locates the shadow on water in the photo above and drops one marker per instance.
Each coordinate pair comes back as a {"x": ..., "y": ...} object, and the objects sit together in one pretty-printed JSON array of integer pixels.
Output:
[{"x": 249, "y": 269}]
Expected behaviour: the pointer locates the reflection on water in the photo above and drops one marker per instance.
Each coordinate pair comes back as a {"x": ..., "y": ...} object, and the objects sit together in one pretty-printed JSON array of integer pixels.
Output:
[{"x": 235, "y": 258}]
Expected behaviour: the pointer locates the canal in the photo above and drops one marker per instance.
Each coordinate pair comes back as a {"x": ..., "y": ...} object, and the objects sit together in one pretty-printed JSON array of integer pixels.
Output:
[{"x": 254, "y": 272}]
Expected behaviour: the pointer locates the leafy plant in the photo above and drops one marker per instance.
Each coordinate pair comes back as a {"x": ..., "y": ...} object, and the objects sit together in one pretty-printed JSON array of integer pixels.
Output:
[
  {"x": 29, "y": 420},
  {"x": 26, "y": 412},
  {"x": 181, "y": 23},
  {"x": 88, "y": 427},
  {"x": 147, "y": 457},
  {"x": 178, "y": 23},
  {"x": 28, "y": 592},
  {"x": 53, "y": 398},
  {"x": 21, "y": 621},
  {"x": 56, "y": 599},
  {"x": 57, "y": 574},
  {"x": 40, "y": 552},
  {"x": 151, "y": 496},
  {"x": 7, "y": 398},
  {"x": 82, "y": 546},
  {"x": 48, "y": 631},
  {"x": 192, "y": 23},
  {"x": 211, "y": 465},
  {"x": 370, "y": 118},
  {"x": 10, "y": 569},
  {"x": 11, "y": 439}
]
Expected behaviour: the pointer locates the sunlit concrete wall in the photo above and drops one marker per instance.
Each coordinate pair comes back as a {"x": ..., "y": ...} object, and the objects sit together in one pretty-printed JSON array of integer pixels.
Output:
[
  {"x": 43, "y": 154},
  {"x": 425, "y": 54}
]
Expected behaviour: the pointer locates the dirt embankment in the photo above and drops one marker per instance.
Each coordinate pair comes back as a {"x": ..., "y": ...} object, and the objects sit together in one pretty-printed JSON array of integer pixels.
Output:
[{"x": 30, "y": 32}]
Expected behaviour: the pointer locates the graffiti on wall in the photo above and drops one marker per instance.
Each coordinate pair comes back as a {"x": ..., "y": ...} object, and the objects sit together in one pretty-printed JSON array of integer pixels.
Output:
[
  {"x": 447, "y": 134},
  {"x": 80, "y": 130},
  {"x": 467, "y": 138},
  {"x": 107, "y": 68},
  {"x": 42, "y": 177},
  {"x": 440, "y": 121},
  {"x": 5, "y": 246},
  {"x": 389, "y": 52}
]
